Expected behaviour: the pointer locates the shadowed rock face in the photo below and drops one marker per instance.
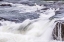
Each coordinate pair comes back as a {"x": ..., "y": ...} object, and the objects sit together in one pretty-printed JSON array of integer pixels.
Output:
[
  {"x": 55, "y": 31},
  {"x": 1, "y": 0}
]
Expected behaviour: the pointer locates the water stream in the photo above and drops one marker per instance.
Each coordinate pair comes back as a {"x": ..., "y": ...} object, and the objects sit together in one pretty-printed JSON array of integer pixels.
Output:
[{"x": 37, "y": 28}]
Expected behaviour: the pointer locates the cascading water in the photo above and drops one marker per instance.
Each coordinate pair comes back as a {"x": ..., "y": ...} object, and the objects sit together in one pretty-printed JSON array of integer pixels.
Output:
[
  {"x": 36, "y": 30},
  {"x": 59, "y": 32}
]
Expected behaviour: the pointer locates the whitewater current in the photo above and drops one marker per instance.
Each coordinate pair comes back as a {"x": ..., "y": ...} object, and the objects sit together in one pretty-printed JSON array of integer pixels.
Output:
[{"x": 30, "y": 30}]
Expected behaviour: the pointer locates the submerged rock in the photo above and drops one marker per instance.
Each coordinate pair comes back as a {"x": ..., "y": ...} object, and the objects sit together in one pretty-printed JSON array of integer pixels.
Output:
[{"x": 58, "y": 32}]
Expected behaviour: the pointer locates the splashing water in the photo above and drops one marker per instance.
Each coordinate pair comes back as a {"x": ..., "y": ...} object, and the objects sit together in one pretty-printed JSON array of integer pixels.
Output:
[
  {"x": 59, "y": 32},
  {"x": 36, "y": 30}
]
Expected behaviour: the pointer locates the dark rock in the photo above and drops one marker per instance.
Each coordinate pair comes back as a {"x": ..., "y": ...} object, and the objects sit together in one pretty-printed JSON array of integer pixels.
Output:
[
  {"x": 44, "y": 8},
  {"x": 6, "y": 5},
  {"x": 8, "y": 19},
  {"x": 28, "y": 3},
  {"x": 2, "y": 18},
  {"x": 1, "y": 0},
  {"x": 58, "y": 12},
  {"x": 45, "y": 5},
  {"x": 55, "y": 31}
]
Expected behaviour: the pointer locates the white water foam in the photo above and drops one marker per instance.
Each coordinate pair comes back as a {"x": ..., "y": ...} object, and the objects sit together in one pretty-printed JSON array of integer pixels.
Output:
[{"x": 36, "y": 30}]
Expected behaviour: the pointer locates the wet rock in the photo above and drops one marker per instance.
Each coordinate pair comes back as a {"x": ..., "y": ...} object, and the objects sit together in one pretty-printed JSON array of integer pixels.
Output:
[
  {"x": 56, "y": 32},
  {"x": 6, "y": 5},
  {"x": 8, "y": 19},
  {"x": 44, "y": 8},
  {"x": 1, "y": 0},
  {"x": 1, "y": 18},
  {"x": 45, "y": 5},
  {"x": 58, "y": 12},
  {"x": 28, "y": 3}
]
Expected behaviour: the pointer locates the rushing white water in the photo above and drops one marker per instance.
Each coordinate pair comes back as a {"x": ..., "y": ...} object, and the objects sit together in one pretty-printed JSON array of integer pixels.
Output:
[
  {"x": 59, "y": 32},
  {"x": 36, "y": 30}
]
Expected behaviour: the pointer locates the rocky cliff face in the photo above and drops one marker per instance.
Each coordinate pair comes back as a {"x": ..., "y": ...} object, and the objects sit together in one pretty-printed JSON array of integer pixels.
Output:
[{"x": 56, "y": 32}]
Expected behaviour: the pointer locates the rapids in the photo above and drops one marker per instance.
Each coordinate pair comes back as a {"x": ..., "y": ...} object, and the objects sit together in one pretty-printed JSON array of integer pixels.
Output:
[{"x": 29, "y": 30}]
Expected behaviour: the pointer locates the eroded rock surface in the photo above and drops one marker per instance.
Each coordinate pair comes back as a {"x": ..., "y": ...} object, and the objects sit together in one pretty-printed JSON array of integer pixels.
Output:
[{"x": 56, "y": 31}]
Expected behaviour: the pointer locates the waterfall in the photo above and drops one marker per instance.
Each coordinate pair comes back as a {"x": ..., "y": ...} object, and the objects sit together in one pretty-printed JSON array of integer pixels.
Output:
[
  {"x": 40, "y": 30},
  {"x": 36, "y": 30},
  {"x": 59, "y": 32}
]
